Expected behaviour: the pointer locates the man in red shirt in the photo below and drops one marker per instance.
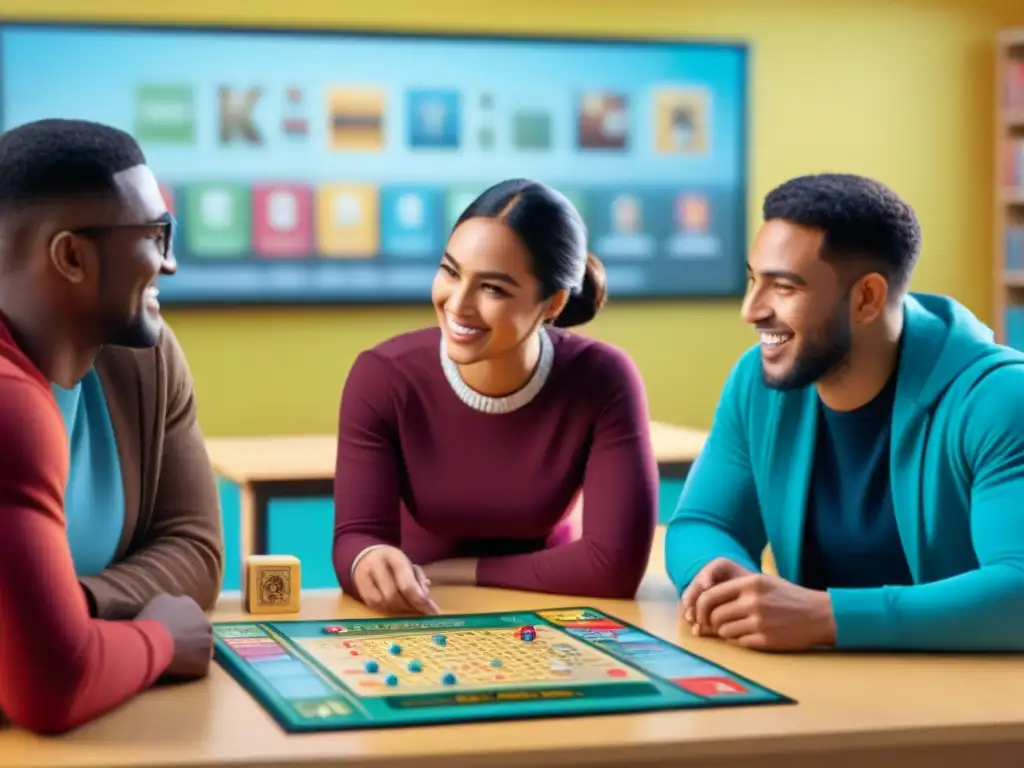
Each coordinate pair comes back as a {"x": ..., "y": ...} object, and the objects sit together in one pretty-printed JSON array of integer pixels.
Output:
[{"x": 83, "y": 230}]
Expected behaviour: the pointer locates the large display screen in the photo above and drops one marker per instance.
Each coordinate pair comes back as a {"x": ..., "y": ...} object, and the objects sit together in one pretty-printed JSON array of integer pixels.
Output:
[{"x": 329, "y": 168}]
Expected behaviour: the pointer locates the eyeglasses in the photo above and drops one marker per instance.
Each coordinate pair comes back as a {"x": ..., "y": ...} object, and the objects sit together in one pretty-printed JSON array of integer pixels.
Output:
[{"x": 167, "y": 222}]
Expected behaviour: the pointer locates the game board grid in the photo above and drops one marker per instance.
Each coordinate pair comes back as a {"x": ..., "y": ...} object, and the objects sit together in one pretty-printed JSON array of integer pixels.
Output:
[{"x": 553, "y": 657}]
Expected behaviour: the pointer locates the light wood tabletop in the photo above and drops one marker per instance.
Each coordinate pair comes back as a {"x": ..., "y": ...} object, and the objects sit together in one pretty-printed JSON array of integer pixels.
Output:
[
  {"x": 312, "y": 457},
  {"x": 851, "y": 710}
]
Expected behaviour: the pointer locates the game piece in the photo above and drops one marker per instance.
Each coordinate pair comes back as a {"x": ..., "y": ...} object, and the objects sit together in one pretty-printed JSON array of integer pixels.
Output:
[
  {"x": 581, "y": 662},
  {"x": 395, "y": 649},
  {"x": 440, "y": 640},
  {"x": 271, "y": 584}
]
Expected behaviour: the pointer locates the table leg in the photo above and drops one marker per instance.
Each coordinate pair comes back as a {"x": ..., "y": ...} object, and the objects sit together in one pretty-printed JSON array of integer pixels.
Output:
[
  {"x": 254, "y": 503},
  {"x": 676, "y": 470}
]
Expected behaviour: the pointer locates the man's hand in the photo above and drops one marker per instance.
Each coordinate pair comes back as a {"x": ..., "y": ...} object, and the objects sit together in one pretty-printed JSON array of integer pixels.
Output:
[
  {"x": 767, "y": 613},
  {"x": 190, "y": 629},
  {"x": 717, "y": 571}
]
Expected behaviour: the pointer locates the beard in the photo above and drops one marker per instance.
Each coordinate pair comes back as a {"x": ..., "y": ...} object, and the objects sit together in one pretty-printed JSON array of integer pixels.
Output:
[
  {"x": 823, "y": 353},
  {"x": 141, "y": 332}
]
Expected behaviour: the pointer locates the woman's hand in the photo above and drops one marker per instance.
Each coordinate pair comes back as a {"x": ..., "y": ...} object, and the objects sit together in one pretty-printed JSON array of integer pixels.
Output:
[{"x": 388, "y": 582}]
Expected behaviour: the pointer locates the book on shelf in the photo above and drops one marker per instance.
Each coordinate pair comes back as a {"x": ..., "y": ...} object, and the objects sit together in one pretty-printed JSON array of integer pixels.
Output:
[
  {"x": 1015, "y": 327},
  {"x": 1013, "y": 98},
  {"x": 1015, "y": 248},
  {"x": 1013, "y": 170}
]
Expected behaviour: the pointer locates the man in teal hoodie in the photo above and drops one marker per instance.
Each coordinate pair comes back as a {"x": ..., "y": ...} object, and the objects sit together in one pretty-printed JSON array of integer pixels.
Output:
[{"x": 874, "y": 438}]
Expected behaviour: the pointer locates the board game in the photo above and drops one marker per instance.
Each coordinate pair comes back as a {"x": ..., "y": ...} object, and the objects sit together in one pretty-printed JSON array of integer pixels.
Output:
[{"x": 375, "y": 673}]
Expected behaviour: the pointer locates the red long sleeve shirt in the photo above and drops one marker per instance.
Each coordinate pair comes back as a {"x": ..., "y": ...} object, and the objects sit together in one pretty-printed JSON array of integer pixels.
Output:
[
  {"x": 420, "y": 469},
  {"x": 58, "y": 667}
]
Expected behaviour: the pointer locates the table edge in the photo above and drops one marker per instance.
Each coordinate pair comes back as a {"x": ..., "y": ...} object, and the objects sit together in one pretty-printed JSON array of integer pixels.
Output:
[{"x": 678, "y": 752}]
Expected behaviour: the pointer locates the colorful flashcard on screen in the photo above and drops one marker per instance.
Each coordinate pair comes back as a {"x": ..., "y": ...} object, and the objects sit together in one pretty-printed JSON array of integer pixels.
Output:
[{"x": 331, "y": 168}]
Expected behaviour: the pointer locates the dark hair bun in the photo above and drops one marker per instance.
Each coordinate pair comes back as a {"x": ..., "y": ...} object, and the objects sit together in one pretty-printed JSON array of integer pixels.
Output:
[{"x": 584, "y": 304}]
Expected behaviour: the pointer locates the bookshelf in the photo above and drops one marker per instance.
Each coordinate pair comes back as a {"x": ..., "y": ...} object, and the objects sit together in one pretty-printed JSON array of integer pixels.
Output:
[{"x": 1009, "y": 261}]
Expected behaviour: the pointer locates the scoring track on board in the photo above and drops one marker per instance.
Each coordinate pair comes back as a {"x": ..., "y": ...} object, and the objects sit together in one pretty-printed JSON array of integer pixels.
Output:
[{"x": 472, "y": 658}]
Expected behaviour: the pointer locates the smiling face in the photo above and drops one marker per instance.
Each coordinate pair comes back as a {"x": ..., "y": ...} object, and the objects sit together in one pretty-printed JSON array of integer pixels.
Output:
[
  {"x": 138, "y": 256},
  {"x": 798, "y": 305},
  {"x": 111, "y": 266},
  {"x": 487, "y": 300}
]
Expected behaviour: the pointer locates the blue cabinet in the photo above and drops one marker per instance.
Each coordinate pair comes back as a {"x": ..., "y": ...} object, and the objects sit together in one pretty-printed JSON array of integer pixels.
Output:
[{"x": 305, "y": 528}]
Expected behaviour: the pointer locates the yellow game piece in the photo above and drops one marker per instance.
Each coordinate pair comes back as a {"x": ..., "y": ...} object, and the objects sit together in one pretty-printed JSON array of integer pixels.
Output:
[{"x": 272, "y": 584}]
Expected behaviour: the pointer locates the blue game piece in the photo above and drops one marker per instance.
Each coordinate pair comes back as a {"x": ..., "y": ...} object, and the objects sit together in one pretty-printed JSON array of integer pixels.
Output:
[
  {"x": 496, "y": 663},
  {"x": 391, "y": 680},
  {"x": 415, "y": 666},
  {"x": 371, "y": 666},
  {"x": 448, "y": 678},
  {"x": 395, "y": 649},
  {"x": 440, "y": 640}
]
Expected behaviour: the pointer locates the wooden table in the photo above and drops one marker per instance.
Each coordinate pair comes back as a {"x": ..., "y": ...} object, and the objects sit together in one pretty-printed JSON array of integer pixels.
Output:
[
  {"x": 302, "y": 466},
  {"x": 853, "y": 711}
]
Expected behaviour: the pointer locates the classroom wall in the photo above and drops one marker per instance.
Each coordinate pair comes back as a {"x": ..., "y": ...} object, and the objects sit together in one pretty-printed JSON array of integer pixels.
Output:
[{"x": 897, "y": 89}]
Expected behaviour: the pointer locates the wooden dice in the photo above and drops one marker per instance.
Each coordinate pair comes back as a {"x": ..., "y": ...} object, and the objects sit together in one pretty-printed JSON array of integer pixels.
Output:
[{"x": 272, "y": 584}]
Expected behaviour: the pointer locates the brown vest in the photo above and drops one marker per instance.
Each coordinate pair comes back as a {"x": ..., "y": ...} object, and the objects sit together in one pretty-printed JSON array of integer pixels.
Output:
[{"x": 172, "y": 539}]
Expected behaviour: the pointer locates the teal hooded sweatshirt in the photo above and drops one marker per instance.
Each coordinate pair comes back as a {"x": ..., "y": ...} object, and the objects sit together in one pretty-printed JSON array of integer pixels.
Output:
[{"x": 956, "y": 478}]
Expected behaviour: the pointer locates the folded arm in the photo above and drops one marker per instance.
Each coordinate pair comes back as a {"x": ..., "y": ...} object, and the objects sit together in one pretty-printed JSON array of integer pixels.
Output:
[
  {"x": 718, "y": 513},
  {"x": 366, "y": 514},
  {"x": 983, "y": 609},
  {"x": 620, "y": 500},
  {"x": 58, "y": 667},
  {"x": 181, "y": 551}
]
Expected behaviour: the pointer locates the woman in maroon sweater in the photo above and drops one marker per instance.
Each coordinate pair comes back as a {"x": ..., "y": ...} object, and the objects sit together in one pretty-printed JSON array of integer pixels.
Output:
[{"x": 464, "y": 448}]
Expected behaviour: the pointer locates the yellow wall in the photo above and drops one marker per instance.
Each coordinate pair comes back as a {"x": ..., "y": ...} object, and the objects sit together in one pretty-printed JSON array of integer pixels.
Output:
[{"x": 897, "y": 89}]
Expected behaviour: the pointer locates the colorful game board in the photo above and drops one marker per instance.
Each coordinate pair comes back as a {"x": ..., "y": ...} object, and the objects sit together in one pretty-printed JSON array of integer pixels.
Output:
[{"x": 340, "y": 675}]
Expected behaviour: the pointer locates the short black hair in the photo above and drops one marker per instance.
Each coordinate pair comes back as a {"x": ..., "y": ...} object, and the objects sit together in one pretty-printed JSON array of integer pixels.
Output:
[
  {"x": 55, "y": 159},
  {"x": 862, "y": 220},
  {"x": 553, "y": 232}
]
